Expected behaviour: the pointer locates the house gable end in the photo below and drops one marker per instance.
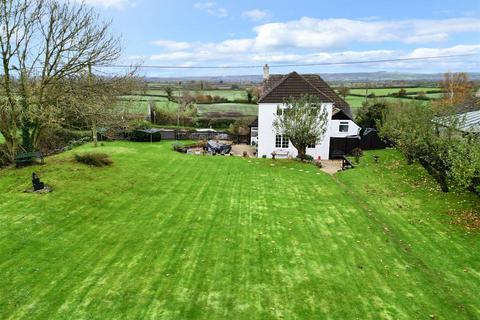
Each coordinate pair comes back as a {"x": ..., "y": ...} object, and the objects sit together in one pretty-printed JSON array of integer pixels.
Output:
[{"x": 292, "y": 85}]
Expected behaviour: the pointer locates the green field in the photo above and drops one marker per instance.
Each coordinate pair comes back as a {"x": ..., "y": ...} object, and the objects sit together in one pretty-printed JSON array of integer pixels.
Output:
[
  {"x": 386, "y": 91},
  {"x": 228, "y": 94},
  {"x": 163, "y": 235},
  {"x": 244, "y": 109},
  {"x": 139, "y": 104},
  {"x": 356, "y": 102},
  {"x": 434, "y": 95}
]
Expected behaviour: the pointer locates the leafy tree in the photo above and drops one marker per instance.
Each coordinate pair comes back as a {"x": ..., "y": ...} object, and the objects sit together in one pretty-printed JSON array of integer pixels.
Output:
[
  {"x": 249, "y": 95},
  {"x": 421, "y": 96},
  {"x": 186, "y": 108},
  {"x": 169, "y": 91},
  {"x": 403, "y": 124},
  {"x": 457, "y": 88},
  {"x": 240, "y": 127},
  {"x": 303, "y": 120},
  {"x": 465, "y": 163},
  {"x": 343, "y": 91},
  {"x": 253, "y": 94},
  {"x": 449, "y": 156},
  {"x": 402, "y": 92},
  {"x": 371, "y": 115}
]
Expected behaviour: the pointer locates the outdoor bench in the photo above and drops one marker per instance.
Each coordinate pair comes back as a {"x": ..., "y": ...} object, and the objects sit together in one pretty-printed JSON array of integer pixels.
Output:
[{"x": 28, "y": 157}]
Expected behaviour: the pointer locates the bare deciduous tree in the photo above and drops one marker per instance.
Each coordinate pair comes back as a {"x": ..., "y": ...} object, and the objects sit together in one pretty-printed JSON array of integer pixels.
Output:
[
  {"x": 44, "y": 43},
  {"x": 457, "y": 88},
  {"x": 93, "y": 100}
]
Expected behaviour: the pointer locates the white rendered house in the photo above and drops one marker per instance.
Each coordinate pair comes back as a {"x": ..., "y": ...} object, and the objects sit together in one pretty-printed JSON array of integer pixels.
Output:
[{"x": 277, "y": 88}]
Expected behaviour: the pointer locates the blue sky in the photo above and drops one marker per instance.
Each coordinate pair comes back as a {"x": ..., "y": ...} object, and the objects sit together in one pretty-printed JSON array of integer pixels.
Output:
[{"x": 218, "y": 33}]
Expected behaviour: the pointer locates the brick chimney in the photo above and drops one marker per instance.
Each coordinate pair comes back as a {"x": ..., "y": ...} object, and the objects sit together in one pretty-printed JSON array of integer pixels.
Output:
[{"x": 266, "y": 72}]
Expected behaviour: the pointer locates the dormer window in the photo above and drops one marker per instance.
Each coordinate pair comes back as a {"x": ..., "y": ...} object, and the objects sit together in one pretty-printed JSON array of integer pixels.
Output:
[{"x": 343, "y": 127}]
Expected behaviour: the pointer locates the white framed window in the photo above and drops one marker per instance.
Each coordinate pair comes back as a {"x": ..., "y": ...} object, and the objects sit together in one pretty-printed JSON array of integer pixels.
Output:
[
  {"x": 343, "y": 127},
  {"x": 311, "y": 146},
  {"x": 281, "y": 141}
]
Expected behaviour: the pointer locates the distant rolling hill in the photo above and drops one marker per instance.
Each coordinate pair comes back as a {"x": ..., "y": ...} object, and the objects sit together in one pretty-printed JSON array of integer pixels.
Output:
[{"x": 331, "y": 77}]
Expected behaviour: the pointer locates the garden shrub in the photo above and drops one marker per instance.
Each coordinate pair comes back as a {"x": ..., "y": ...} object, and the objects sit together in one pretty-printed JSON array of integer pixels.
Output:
[
  {"x": 76, "y": 143},
  {"x": 163, "y": 116},
  {"x": 94, "y": 159},
  {"x": 243, "y": 101},
  {"x": 179, "y": 147},
  {"x": 215, "y": 122},
  {"x": 202, "y": 98},
  {"x": 4, "y": 161},
  {"x": 61, "y": 139},
  {"x": 357, "y": 153},
  {"x": 306, "y": 157},
  {"x": 218, "y": 99},
  {"x": 140, "y": 124}
]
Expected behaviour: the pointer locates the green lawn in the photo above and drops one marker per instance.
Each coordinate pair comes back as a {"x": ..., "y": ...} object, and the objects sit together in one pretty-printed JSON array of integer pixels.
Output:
[
  {"x": 244, "y": 109},
  {"x": 163, "y": 235}
]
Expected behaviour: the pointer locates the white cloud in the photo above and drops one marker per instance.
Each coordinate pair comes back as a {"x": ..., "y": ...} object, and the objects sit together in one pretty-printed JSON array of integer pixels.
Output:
[
  {"x": 309, "y": 40},
  {"x": 234, "y": 52},
  {"x": 211, "y": 8},
  {"x": 205, "y": 5},
  {"x": 436, "y": 52},
  {"x": 425, "y": 38},
  {"x": 256, "y": 14},
  {"x": 199, "y": 51},
  {"x": 170, "y": 45},
  {"x": 109, "y": 3},
  {"x": 337, "y": 33}
]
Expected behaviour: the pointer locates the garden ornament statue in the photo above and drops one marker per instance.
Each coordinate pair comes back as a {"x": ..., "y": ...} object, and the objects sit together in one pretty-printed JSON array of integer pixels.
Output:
[{"x": 37, "y": 184}]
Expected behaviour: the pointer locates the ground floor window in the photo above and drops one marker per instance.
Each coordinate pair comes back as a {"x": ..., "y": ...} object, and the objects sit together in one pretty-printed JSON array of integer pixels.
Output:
[
  {"x": 281, "y": 141},
  {"x": 343, "y": 126},
  {"x": 311, "y": 146}
]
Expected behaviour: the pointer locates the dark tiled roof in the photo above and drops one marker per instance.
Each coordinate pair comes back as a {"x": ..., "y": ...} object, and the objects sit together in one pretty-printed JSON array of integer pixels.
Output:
[
  {"x": 339, "y": 114},
  {"x": 318, "y": 82},
  {"x": 468, "y": 106},
  {"x": 254, "y": 123},
  {"x": 293, "y": 85}
]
